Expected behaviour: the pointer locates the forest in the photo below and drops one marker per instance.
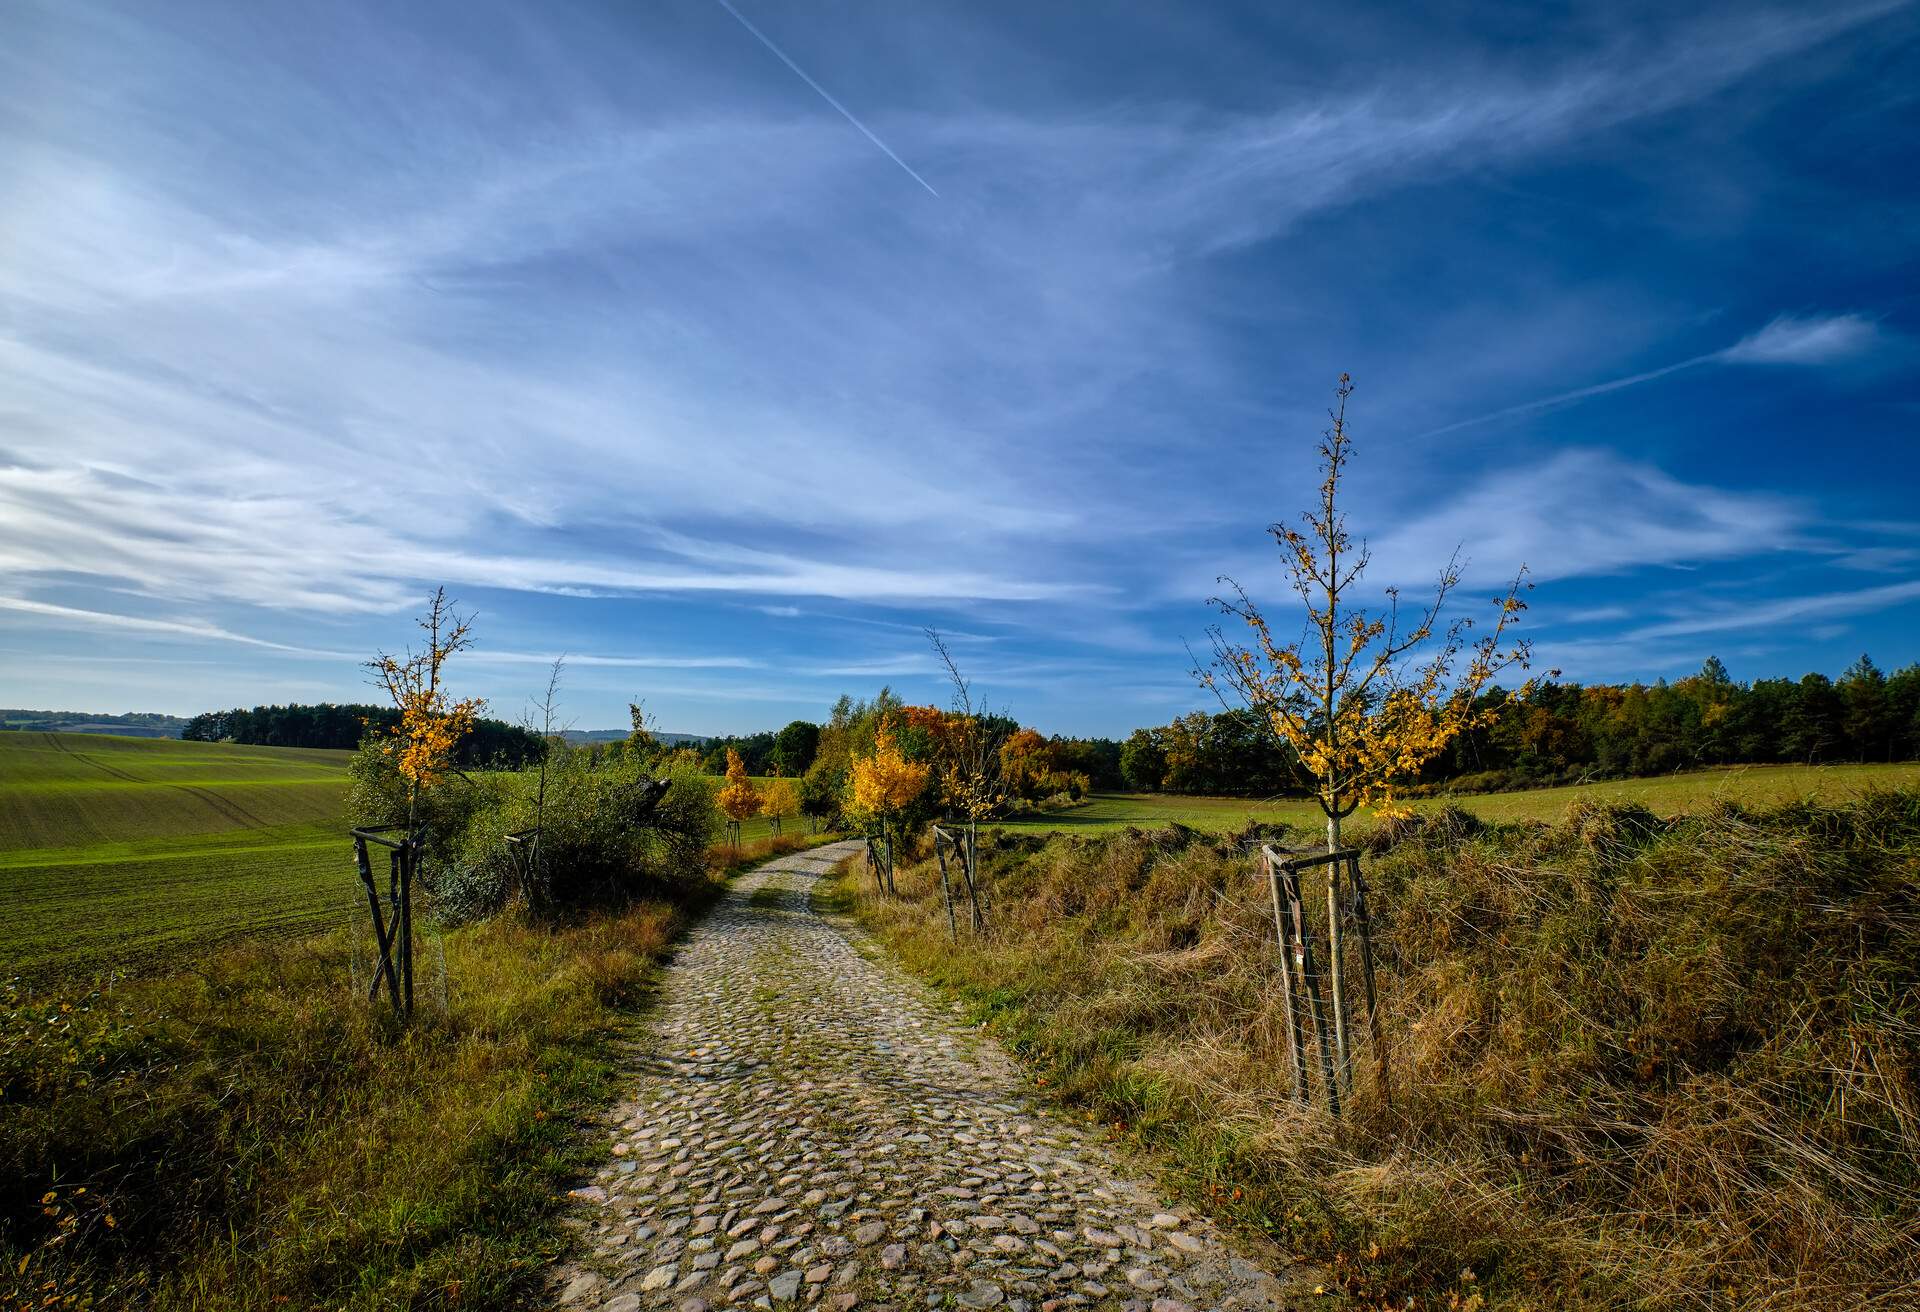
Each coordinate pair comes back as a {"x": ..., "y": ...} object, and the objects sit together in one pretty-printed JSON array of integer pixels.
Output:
[
  {"x": 1563, "y": 732},
  {"x": 491, "y": 742}
]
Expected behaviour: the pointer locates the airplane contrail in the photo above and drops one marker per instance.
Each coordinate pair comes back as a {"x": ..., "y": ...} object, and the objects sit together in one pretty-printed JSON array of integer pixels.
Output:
[
  {"x": 825, "y": 95},
  {"x": 1578, "y": 394}
]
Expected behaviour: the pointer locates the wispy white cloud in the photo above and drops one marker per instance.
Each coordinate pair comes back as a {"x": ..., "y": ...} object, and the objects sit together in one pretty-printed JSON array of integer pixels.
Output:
[
  {"x": 1768, "y": 613},
  {"x": 70, "y": 616},
  {"x": 1813, "y": 339},
  {"x": 484, "y": 656},
  {"x": 1582, "y": 513}
]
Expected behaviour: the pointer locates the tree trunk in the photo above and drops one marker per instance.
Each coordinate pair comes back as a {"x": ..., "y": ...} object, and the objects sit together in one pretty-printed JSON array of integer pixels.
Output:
[{"x": 1333, "y": 833}]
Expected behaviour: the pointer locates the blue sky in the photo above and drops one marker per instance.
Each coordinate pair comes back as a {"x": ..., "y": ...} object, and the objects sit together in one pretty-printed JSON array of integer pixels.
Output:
[{"x": 724, "y": 349}]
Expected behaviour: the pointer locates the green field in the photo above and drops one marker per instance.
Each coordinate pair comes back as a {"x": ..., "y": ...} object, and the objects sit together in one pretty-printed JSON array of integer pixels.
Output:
[
  {"x": 1667, "y": 794},
  {"x": 115, "y": 849}
]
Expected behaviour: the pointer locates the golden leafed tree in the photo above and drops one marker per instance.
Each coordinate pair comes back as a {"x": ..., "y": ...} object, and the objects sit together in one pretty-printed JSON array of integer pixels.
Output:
[
  {"x": 738, "y": 797},
  {"x": 781, "y": 799},
  {"x": 885, "y": 782},
  {"x": 431, "y": 724},
  {"x": 1364, "y": 697}
]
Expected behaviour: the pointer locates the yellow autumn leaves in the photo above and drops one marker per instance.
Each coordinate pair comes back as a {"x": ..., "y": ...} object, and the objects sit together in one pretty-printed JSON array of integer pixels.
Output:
[
  {"x": 738, "y": 797},
  {"x": 1364, "y": 698},
  {"x": 431, "y": 725},
  {"x": 885, "y": 782}
]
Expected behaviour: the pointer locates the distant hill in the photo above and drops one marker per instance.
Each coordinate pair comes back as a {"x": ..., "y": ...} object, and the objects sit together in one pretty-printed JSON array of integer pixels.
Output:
[
  {"x": 580, "y": 736},
  {"x": 133, "y": 724}
]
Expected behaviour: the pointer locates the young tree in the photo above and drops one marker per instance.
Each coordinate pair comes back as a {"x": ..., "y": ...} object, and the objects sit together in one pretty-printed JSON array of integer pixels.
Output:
[
  {"x": 885, "y": 783},
  {"x": 738, "y": 797},
  {"x": 1355, "y": 697},
  {"x": 780, "y": 800},
  {"x": 543, "y": 718},
  {"x": 971, "y": 778},
  {"x": 430, "y": 725}
]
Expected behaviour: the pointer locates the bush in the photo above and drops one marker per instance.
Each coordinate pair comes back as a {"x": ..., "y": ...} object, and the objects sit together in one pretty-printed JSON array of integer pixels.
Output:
[{"x": 601, "y": 843}]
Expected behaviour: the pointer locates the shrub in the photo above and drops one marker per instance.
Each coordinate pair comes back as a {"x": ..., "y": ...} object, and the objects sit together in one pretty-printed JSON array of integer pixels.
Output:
[{"x": 601, "y": 842}]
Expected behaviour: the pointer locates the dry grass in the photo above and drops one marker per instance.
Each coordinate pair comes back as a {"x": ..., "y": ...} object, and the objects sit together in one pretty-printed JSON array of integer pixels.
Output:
[{"x": 1638, "y": 1062}]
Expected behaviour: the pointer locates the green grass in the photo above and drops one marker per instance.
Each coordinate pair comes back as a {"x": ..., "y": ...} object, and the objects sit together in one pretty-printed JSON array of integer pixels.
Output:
[
  {"x": 1665, "y": 795},
  {"x": 66, "y": 789},
  {"x": 115, "y": 851}
]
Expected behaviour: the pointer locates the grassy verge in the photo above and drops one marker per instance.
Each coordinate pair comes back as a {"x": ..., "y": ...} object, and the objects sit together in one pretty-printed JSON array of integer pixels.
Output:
[
  {"x": 249, "y": 1133},
  {"x": 1639, "y": 1062}
]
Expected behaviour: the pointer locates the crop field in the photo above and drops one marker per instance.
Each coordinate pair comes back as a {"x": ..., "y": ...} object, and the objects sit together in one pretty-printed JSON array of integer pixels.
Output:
[
  {"x": 113, "y": 850},
  {"x": 1667, "y": 795}
]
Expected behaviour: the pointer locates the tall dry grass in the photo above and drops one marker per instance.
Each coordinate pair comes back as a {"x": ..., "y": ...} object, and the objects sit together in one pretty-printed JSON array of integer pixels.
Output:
[{"x": 1637, "y": 1063}]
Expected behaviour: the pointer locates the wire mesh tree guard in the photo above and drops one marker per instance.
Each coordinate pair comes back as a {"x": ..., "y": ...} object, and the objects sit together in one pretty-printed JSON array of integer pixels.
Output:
[{"x": 1314, "y": 980}]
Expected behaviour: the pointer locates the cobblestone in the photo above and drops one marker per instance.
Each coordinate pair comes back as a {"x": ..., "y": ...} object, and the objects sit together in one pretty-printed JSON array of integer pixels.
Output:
[{"x": 807, "y": 1126}]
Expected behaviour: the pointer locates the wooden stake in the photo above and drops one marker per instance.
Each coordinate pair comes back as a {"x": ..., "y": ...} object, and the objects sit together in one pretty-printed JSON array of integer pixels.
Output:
[
  {"x": 1339, "y": 989},
  {"x": 1287, "y": 1000},
  {"x": 940, "y": 840}
]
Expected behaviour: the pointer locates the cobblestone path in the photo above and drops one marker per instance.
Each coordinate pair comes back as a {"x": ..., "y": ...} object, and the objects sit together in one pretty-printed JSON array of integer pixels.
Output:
[{"x": 809, "y": 1127}]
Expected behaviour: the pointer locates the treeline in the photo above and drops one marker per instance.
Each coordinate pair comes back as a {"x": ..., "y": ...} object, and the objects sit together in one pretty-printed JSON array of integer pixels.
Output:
[
  {"x": 491, "y": 743},
  {"x": 1705, "y": 719},
  {"x": 789, "y": 751},
  {"x": 1569, "y": 731},
  {"x": 132, "y": 724}
]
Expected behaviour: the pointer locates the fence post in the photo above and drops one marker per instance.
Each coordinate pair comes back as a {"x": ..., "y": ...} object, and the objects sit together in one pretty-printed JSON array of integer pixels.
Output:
[
  {"x": 1310, "y": 972},
  {"x": 385, "y": 968}
]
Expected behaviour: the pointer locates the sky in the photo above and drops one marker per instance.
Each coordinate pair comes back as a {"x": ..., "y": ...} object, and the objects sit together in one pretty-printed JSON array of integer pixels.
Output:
[{"x": 725, "y": 345}]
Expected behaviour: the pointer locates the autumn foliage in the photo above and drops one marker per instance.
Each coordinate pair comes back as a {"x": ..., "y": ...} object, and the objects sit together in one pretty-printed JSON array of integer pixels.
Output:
[
  {"x": 738, "y": 797},
  {"x": 1365, "y": 697},
  {"x": 780, "y": 799},
  {"x": 431, "y": 724},
  {"x": 885, "y": 782}
]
